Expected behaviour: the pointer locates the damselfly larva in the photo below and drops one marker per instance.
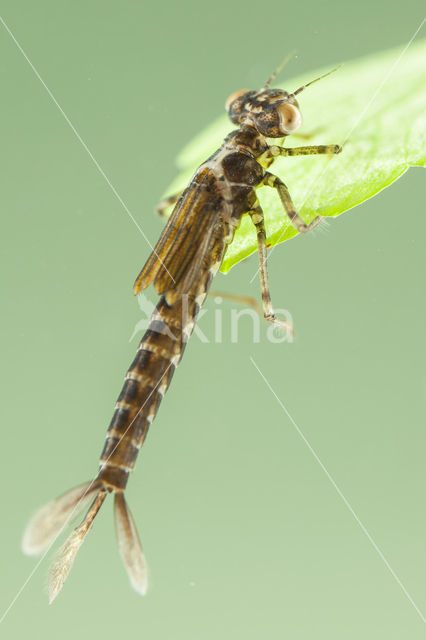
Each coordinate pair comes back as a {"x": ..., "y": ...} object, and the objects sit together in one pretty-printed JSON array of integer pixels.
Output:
[{"x": 186, "y": 257}]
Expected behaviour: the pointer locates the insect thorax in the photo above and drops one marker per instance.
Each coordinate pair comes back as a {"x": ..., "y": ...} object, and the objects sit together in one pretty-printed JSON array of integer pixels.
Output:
[
  {"x": 236, "y": 170},
  {"x": 247, "y": 140}
]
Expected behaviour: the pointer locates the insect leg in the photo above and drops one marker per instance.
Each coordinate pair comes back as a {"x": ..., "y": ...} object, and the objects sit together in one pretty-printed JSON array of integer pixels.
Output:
[
  {"x": 166, "y": 203},
  {"x": 245, "y": 300},
  {"x": 317, "y": 149},
  {"x": 256, "y": 215},
  {"x": 270, "y": 180}
]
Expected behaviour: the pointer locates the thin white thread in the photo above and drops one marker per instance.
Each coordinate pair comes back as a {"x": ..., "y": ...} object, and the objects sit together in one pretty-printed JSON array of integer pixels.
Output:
[
  {"x": 346, "y": 502},
  {"x": 84, "y": 145},
  {"x": 363, "y": 112}
]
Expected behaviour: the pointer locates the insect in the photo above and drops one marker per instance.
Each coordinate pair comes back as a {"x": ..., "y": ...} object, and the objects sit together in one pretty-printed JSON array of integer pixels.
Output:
[{"x": 181, "y": 267}]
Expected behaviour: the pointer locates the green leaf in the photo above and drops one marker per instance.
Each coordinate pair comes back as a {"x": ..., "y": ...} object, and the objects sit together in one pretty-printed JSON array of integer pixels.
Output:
[{"x": 374, "y": 105}]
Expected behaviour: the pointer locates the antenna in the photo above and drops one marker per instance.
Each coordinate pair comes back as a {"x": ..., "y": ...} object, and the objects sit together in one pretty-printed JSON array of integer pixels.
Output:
[
  {"x": 316, "y": 80},
  {"x": 279, "y": 68}
]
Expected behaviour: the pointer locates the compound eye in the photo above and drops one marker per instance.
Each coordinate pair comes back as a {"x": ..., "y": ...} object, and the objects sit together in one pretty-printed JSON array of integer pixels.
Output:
[
  {"x": 290, "y": 117},
  {"x": 234, "y": 96}
]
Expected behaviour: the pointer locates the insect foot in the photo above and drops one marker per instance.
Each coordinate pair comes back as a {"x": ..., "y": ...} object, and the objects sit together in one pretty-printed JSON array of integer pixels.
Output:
[{"x": 284, "y": 325}]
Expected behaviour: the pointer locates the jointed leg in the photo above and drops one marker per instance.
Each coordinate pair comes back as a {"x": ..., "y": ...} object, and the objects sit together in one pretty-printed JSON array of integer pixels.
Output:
[
  {"x": 166, "y": 203},
  {"x": 268, "y": 312},
  {"x": 247, "y": 300},
  {"x": 273, "y": 181},
  {"x": 317, "y": 149}
]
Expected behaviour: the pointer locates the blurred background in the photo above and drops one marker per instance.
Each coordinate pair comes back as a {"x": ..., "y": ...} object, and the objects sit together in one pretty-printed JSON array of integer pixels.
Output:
[{"x": 245, "y": 535}]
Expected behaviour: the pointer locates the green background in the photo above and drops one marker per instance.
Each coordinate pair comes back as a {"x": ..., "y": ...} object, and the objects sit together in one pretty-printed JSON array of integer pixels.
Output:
[{"x": 245, "y": 535}]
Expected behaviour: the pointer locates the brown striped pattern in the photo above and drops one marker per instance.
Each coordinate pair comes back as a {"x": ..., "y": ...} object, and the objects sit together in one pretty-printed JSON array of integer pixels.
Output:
[{"x": 150, "y": 373}]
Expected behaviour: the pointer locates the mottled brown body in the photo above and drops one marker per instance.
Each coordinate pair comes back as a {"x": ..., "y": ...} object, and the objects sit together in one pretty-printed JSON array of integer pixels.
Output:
[
  {"x": 220, "y": 192},
  {"x": 186, "y": 257}
]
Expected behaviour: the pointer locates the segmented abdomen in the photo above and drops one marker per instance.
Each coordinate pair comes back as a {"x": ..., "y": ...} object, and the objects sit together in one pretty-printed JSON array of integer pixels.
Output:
[{"x": 150, "y": 374}]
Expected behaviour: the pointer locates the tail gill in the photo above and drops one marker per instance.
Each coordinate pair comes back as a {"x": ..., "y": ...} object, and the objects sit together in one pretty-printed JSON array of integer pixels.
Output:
[{"x": 49, "y": 522}]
